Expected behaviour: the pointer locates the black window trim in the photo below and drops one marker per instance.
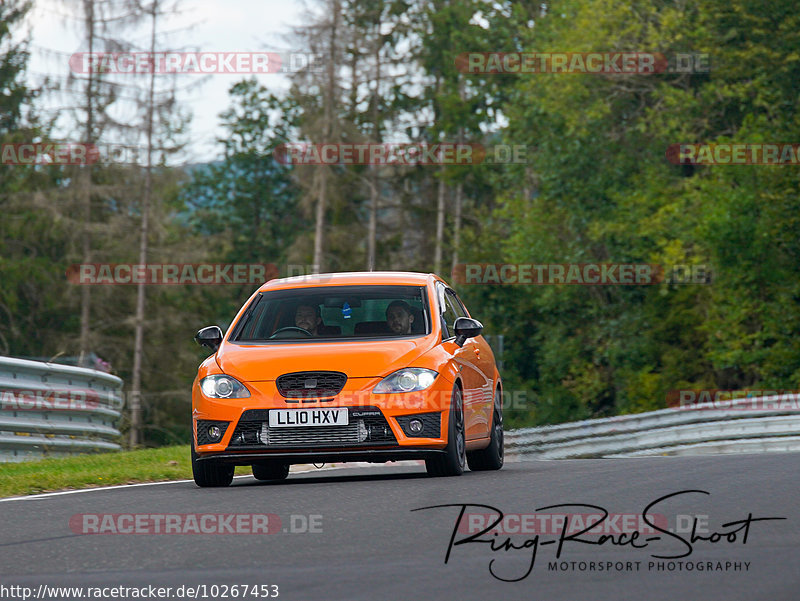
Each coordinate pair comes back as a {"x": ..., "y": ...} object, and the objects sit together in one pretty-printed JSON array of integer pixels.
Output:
[
  {"x": 461, "y": 303},
  {"x": 454, "y": 294},
  {"x": 443, "y": 324}
]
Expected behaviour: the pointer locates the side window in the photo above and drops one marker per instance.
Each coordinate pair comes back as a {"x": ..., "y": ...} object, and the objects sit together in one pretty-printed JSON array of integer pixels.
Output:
[
  {"x": 266, "y": 318},
  {"x": 459, "y": 302},
  {"x": 453, "y": 311},
  {"x": 257, "y": 314},
  {"x": 446, "y": 314},
  {"x": 455, "y": 304}
]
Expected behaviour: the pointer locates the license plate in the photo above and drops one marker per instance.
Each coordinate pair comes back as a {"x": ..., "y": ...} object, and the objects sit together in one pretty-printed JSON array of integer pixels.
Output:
[{"x": 287, "y": 418}]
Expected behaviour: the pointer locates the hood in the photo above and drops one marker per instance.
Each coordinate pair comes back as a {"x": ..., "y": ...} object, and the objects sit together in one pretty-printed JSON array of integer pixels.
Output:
[{"x": 357, "y": 359}]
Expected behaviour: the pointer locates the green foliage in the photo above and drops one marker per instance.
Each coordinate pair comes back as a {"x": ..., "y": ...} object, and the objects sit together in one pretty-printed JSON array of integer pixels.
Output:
[
  {"x": 596, "y": 188},
  {"x": 605, "y": 193}
]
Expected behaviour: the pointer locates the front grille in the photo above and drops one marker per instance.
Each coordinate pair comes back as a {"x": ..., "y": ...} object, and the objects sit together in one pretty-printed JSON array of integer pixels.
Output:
[
  {"x": 202, "y": 430},
  {"x": 316, "y": 436},
  {"x": 366, "y": 427},
  {"x": 431, "y": 425},
  {"x": 311, "y": 384}
]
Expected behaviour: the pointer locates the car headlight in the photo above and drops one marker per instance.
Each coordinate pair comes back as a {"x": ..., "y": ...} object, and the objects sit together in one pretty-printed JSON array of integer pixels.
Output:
[
  {"x": 409, "y": 379},
  {"x": 223, "y": 387}
]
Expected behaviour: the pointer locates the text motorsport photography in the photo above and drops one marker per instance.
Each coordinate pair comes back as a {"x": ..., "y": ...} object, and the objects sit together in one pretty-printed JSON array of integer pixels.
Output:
[{"x": 668, "y": 545}]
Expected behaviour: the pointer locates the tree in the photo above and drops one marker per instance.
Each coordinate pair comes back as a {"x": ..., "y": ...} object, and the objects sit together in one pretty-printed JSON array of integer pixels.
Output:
[
  {"x": 158, "y": 104},
  {"x": 248, "y": 200},
  {"x": 102, "y": 22},
  {"x": 373, "y": 31},
  {"x": 444, "y": 29},
  {"x": 318, "y": 90}
]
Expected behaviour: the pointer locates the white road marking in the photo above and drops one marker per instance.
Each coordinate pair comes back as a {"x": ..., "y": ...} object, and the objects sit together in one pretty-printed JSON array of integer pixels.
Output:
[
  {"x": 94, "y": 489},
  {"x": 302, "y": 469}
]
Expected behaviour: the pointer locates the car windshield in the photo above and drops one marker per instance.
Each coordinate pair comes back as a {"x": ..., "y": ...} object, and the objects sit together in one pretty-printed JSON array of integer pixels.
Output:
[{"x": 337, "y": 312}]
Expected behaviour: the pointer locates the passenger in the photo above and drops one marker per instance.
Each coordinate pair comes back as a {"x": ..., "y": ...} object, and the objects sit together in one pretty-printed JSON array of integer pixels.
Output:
[{"x": 399, "y": 317}]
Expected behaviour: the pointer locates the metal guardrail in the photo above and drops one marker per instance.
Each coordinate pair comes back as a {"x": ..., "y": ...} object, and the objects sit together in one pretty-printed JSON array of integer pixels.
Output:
[
  {"x": 748, "y": 425},
  {"x": 49, "y": 410}
]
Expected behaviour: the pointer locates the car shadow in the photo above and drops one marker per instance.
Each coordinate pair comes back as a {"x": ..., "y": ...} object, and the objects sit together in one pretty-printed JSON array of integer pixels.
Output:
[{"x": 326, "y": 477}]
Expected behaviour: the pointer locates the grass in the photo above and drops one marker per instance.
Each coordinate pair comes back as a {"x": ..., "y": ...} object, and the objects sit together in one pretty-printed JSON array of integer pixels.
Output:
[{"x": 102, "y": 469}]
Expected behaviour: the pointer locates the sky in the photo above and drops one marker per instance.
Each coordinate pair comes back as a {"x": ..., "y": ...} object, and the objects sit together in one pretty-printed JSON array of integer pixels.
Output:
[{"x": 204, "y": 25}]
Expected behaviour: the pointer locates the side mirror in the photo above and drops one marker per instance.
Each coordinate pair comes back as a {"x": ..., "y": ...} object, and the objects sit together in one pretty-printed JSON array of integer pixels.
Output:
[
  {"x": 210, "y": 337},
  {"x": 467, "y": 327}
]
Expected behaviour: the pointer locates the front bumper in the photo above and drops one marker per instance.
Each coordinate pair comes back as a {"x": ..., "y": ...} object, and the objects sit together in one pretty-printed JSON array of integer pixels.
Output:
[
  {"x": 327, "y": 456},
  {"x": 375, "y": 431}
]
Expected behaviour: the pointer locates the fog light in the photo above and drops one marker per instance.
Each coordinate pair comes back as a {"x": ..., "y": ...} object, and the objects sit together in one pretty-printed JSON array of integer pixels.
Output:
[
  {"x": 415, "y": 425},
  {"x": 214, "y": 433}
]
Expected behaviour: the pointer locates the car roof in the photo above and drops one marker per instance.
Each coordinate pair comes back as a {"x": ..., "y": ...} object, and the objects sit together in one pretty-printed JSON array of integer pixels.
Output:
[{"x": 351, "y": 278}]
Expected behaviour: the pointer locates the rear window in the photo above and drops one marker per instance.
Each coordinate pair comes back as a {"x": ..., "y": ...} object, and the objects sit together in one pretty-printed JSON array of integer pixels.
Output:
[{"x": 335, "y": 312}]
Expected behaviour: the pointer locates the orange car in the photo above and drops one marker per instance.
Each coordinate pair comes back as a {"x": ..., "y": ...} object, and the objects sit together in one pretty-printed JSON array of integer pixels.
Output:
[{"x": 379, "y": 366}]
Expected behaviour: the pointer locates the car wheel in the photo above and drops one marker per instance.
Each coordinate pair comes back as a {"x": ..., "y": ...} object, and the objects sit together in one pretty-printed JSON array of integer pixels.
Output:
[
  {"x": 490, "y": 458},
  {"x": 270, "y": 471},
  {"x": 453, "y": 461},
  {"x": 211, "y": 473}
]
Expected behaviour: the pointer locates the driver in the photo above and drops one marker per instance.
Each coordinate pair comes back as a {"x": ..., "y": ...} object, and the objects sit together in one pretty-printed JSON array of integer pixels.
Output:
[{"x": 308, "y": 317}]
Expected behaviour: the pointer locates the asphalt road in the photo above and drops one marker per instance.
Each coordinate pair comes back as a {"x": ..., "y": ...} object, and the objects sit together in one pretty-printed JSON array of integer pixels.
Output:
[{"x": 371, "y": 545}]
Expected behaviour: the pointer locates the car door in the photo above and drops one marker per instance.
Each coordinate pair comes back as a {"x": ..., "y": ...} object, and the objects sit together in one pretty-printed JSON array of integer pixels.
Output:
[
  {"x": 485, "y": 366},
  {"x": 466, "y": 359}
]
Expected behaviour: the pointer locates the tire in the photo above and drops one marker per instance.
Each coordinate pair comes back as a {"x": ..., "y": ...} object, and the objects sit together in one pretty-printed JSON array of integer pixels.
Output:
[
  {"x": 210, "y": 473},
  {"x": 490, "y": 458},
  {"x": 273, "y": 470},
  {"x": 453, "y": 461}
]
